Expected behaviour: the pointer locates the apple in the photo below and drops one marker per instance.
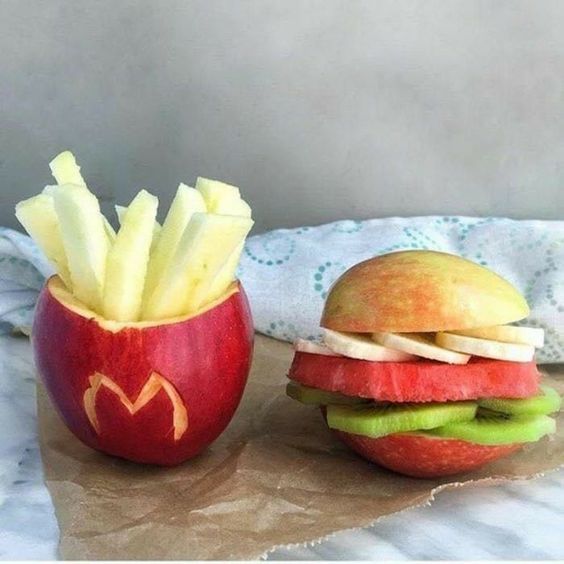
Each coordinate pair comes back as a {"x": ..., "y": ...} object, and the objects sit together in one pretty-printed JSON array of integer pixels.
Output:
[
  {"x": 420, "y": 291},
  {"x": 421, "y": 456},
  {"x": 149, "y": 391},
  {"x": 144, "y": 338},
  {"x": 186, "y": 202}
]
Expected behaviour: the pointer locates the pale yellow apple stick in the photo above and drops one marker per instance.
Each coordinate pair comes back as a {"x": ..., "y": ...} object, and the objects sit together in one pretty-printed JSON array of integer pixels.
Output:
[
  {"x": 223, "y": 198},
  {"x": 110, "y": 233},
  {"x": 235, "y": 206},
  {"x": 66, "y": 171},
  {"x": 186, "y": 202},
  {"x": 226, "y": 275},
  {"x": 203, "y": 250},
  {"x": 128, "y": 258},
  {"x": 217, "y": 194},
  {"x": 120, "y": 212},
  {"x": 85, "y": 242},
  {"x": 39, "y": 219}
]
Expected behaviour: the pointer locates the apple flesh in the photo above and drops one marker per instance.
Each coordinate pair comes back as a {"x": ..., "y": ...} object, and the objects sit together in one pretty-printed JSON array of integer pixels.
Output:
[
  {"x": 420, "y": 291},
  {"x": 151, "y": 392}
]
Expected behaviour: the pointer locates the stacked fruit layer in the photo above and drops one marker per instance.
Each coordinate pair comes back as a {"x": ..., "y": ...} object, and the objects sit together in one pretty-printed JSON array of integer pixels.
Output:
[
  {"x": 145, "y": 271},
  {"x": 403, "y": 383},
  {"x": 501, "y": 342}
]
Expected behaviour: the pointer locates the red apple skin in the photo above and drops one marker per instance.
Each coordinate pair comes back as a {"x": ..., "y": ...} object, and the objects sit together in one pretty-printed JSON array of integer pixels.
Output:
[
  {"x": 420, "y": 291},
  {"x": 419, "y": 456},
  {"x": 206, "y": 358}
]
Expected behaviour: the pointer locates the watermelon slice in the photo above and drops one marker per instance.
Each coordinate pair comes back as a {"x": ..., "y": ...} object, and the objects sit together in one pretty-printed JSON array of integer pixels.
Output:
[
  {"x": 419, "y": 381},
  {"x": 421, "y": 456}
]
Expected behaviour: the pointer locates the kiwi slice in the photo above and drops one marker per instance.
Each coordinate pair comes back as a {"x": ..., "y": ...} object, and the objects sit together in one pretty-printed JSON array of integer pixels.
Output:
[
  {"x": 315, "y": 396},
  {"x": 493, "y": 428},
  {"x": 547, "y": 401},
  {"x": 377, "y": 421}
]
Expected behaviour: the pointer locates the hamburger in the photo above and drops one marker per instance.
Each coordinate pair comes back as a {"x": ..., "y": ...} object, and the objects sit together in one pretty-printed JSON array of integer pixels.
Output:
[{"x": 421, "y": 369}]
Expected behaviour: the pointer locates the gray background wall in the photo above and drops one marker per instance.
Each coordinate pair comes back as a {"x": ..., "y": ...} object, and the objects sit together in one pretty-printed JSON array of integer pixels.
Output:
[{"x": 318, "y": 109}]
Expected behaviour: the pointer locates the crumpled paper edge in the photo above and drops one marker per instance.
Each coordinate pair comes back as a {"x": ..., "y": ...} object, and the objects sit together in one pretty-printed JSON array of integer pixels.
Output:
[{"x": 491, "y": 481}]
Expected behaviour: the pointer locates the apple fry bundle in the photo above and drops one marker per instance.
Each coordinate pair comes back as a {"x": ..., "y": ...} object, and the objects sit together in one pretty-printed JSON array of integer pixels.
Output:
[{"x": 145, "y": 271}]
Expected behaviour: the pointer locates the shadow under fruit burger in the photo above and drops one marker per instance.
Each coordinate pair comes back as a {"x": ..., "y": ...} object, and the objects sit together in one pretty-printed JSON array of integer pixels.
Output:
[{"x": 421, "y": 370}]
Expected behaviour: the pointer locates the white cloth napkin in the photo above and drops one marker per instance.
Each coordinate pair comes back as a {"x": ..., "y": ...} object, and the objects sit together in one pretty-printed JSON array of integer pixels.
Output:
[
  {"x": 23, "y": 270},
  {"x": 288, "y": 272}
]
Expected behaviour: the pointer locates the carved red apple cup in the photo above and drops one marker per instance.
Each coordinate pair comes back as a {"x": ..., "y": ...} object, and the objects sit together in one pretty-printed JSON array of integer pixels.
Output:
[
  {"x": 144, "y": 338},
  {"x": 148, "y": 392}
]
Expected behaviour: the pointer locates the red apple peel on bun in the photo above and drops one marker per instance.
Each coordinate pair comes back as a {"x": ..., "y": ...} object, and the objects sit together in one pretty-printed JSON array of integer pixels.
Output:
[
  {"x": 421, "y": 370},
  {"x": 144, "y": 337}
]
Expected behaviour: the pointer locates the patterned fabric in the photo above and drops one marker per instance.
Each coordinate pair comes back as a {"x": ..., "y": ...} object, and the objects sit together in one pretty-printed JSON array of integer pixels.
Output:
[
  {"x": 288, "y": 272},
  {"x": 23, "y": 270}
]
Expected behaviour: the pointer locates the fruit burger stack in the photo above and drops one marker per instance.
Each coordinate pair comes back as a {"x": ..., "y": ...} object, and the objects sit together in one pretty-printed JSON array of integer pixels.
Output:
[{"x": 421, "y": 370}]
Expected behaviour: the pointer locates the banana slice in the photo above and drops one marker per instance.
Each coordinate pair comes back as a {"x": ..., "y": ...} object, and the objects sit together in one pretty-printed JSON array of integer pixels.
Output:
[
  {"x": 420, "y": 345},
  {"x": 303, "y": 345},
  {"x": 362, "y": 347},
  {"x": 485, "y": 348},
  {"x": 532, "y": 336}
]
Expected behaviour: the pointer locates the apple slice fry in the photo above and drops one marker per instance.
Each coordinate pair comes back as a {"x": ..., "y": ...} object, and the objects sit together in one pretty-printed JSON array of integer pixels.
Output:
[
  {"x": 120, "y": 212},
  {"x": 38, "y": 217},
  {"x": 214, "y": 192},
  {"x": 226, "y": 275},
  {"x": 65, "y": 170},
  {"x": 204, "y": 248},
  {"x": 186, "y": 202},
  {"x": 50, "y": 190},
  {"x": 110, "y": 231},
  {"x": 85, "y": 241},
  {"x": 128, "y": 259},
  {"x": 224, "y": 199},
  {"x": 233, "y": 206}
]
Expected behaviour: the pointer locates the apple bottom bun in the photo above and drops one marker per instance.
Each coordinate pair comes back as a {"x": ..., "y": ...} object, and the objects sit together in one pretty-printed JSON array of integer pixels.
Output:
[{"x": 421, "y": 456}]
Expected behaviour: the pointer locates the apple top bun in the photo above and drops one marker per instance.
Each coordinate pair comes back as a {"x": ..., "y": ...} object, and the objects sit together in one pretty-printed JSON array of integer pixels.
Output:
[{"x": 420, "y": 291}]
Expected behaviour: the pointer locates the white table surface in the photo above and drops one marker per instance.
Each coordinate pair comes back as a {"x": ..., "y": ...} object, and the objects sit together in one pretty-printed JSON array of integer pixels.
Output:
[{"x": 521, "y": 520}]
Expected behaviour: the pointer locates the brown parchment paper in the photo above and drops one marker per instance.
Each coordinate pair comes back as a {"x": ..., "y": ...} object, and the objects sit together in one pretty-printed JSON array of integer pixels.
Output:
[{"x": 275, "y": 477}]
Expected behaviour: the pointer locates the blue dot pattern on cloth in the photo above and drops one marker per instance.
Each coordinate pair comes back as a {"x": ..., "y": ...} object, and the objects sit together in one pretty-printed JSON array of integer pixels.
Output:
[{"x": 288, "y": 272}]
